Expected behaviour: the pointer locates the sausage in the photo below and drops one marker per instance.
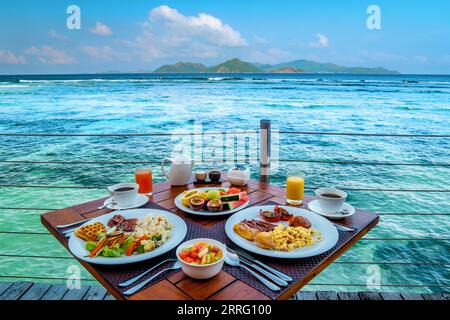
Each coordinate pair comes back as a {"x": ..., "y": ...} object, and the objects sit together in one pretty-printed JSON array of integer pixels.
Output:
[{"x": 300, "y": 221}]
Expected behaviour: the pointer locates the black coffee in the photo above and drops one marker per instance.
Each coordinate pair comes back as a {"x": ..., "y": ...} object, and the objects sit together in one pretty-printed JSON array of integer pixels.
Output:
[
  {"x": 331, "y": 195},
  {"x": 124, "y": 189}
]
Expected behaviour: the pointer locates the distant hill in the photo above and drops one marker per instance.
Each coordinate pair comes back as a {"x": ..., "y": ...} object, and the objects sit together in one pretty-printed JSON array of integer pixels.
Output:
[
  {"x": 235, "y": 66},
  {"x": 238, "y": 66},
  {"x": 182, "y": 67},
  {"x": 287, "y": 70},
  {"x": 317, "y": 67}
]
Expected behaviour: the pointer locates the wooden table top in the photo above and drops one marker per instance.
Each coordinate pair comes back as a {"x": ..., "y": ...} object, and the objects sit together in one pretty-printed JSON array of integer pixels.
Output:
[{"x": 223, "y": 286}]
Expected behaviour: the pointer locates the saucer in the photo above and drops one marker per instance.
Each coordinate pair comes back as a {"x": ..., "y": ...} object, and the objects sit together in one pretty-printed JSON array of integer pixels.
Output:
[
  {"x": 314, "y": 206},
  {"x": 140, "y": 200}
]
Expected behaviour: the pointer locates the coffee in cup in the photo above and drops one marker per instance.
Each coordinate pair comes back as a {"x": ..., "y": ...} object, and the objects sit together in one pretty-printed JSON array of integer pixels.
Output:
[
  {"x": 331, "y": 200},
  {"x": 124, "y": 194}
]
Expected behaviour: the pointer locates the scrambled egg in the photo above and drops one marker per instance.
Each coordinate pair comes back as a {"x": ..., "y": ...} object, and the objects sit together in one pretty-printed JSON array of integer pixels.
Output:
[{"x": 290, "y": 238}]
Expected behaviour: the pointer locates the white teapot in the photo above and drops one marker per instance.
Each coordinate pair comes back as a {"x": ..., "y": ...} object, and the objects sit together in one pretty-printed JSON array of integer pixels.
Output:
[{"x": 180, "y": 170}]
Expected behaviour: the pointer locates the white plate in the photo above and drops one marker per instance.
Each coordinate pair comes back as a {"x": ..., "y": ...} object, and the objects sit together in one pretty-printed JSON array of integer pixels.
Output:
[
  {"x": 140, "y": 200},
  {"x": 314, "y": 206},
  {"x": 77, "y": 245},
  {"x": 329, "y": 233},
  {"x": 180, "y": 206}
]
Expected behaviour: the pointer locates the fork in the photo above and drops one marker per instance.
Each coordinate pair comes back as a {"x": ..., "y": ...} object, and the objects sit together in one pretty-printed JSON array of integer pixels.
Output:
[{"x": 176, "y": 266}]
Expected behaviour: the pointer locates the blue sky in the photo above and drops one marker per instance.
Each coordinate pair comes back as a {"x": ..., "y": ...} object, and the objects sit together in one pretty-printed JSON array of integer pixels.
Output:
[{"x": 142, "y": 35}]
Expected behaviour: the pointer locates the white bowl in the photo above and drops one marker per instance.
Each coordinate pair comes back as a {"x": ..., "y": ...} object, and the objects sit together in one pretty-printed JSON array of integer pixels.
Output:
[{"x": 201, "y": 271}]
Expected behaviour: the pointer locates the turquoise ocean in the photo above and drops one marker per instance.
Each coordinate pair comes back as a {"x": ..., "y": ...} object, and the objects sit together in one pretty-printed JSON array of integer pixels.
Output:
[{"x": 410, "y": 248}]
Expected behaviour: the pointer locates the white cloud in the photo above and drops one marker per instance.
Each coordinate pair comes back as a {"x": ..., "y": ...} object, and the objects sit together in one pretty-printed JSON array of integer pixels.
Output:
[
  {"x": 105, "y": 53},
  {"x": 7, "y": 57},
  {"x": 322, "y": 42},
  {"x": 50, "y": 55},
  {"x": 168, "y": 33},
  {"x": 101, "y": 29},
  {"x": 57, "y": 36}
]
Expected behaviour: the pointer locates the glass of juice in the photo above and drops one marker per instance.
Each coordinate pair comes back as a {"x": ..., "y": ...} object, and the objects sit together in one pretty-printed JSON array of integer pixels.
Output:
[
  {"x": 295, "y": 187},
  {"x": 144, "y": 180}
]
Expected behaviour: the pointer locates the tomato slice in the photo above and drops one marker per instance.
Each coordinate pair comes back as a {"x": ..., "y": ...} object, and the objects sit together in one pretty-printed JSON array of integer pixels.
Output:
[{"x": 270, "y": 216}]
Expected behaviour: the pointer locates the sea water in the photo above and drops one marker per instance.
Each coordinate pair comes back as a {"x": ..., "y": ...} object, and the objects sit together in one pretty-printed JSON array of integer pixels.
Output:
[{"x": 409, "y": 248}]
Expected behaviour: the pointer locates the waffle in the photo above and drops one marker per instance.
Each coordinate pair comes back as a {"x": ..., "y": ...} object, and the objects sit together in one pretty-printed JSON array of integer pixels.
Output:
[{"x": 90, "y": 232}]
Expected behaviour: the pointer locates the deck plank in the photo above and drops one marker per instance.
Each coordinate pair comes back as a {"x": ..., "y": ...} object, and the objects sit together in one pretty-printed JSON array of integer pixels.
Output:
[
  {"x": 327, "y": 295},
  {"x": 15, "y": 291},
  {"x": 370, "y": 296},
  {"x": 56, "y": 292},
  {"x": 348, "y": 296},
  {"x": 76, "y": 294},
  {"x": 95, "y": 293},
  {"x": 391, "y": 296},
  {"x": 4, "y": 286},
  {"x": 432, "y": 296},
  {"x": 411, "y": 296},
  {"x": 306, "y": 295},
  {"x": 109, "y": 296},
  {"x": 36, "y": 292}
]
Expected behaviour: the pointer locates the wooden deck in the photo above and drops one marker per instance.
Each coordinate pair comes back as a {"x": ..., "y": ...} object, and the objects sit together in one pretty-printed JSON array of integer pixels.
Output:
[{"x": 24, "y": 290}]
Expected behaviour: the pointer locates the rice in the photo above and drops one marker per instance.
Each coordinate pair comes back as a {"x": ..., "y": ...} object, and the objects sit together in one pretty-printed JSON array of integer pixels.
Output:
[{"x": 154, "y": 226}]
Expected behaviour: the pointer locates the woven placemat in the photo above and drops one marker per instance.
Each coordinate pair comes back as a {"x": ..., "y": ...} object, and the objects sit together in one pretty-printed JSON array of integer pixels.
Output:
[{"x": 296, "y": 268}]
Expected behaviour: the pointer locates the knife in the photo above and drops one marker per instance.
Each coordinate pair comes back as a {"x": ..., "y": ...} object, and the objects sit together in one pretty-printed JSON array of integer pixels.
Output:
[
  {"x": 342, "y": 228},
  {"x": 275, "y": 271}
]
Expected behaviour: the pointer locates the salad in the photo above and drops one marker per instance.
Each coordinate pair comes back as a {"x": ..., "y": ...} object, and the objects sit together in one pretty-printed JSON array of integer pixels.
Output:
[{"x": 129, "y": 237}]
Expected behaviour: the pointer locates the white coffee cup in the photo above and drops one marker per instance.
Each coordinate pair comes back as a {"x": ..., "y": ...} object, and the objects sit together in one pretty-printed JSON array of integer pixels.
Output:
[
  {"x": 124, "y": 194},
  {"x": 331, "y": 204}
]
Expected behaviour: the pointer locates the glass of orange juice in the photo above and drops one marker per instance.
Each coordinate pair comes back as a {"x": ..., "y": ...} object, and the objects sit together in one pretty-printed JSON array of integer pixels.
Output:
[
  {"x": 295, "y": 188},
  {"x": 144, "y": 180}
]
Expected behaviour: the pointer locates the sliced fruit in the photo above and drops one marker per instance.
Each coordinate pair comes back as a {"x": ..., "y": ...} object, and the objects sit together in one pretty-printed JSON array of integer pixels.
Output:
[
  {"x": 214, "y": 205},
  {"x": 233, "y": 197},
  {"x": 234, "y": 190},
  {"x": 187, "y": 195},
  {"x": 213, "y": 194},
  {"x": 230, "y": 197},
  {"x": 197, "y": 203},
  {"x": 233, "y": 204},
  {"x": 202, "y": 195}
]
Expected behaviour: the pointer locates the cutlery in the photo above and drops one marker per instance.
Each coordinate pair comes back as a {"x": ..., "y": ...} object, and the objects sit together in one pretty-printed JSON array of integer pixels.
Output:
[
  {"x": 232, "y": 261},
  {"x": 136, "y": 278},
  {"x": 249, "y": 263},
  {"x": 265, "y": 266},
  {"x": 61, "y": 226},
  {"x": 342, "y": 228},
  {"x": 69, "y": 230},
  {"x": 176, "y": 265}
]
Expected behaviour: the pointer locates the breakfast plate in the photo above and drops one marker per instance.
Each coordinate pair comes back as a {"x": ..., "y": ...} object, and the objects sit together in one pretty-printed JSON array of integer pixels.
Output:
[
  {"x": 323, "y": 231},
  {"x": 231, "y": 201},
  {"x": 177, "y": 232},
  {"x": 348, "y": 210}
]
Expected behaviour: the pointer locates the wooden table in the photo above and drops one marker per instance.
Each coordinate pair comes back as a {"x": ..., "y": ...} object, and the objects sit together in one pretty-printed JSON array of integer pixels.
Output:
[{"x": 224, "y": 286}]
